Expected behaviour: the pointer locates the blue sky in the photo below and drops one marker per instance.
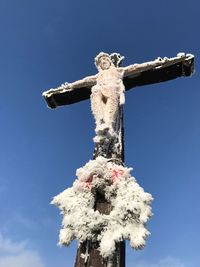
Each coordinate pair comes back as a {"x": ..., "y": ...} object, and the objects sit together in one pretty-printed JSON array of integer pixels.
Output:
[{"x": 45, "y": 43}]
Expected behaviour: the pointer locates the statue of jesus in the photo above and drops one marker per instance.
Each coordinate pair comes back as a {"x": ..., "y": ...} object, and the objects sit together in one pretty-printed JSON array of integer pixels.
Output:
[
  {"x": 107, "y": 88},
  {"x": 107, "y": 94}
]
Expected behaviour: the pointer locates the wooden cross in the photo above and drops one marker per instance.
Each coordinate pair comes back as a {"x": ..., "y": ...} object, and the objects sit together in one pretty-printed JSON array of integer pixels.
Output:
[
  {"x": 157, "y": 71},
  {"x": 106, "y": 90}
]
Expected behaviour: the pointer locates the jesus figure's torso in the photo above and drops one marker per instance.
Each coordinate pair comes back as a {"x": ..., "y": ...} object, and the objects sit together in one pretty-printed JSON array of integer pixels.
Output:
[{"x": 110, "y": 81}]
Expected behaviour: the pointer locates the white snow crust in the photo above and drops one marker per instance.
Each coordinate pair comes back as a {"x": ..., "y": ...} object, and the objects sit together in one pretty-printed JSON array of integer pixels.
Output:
[{"x": 130, "y": 207}]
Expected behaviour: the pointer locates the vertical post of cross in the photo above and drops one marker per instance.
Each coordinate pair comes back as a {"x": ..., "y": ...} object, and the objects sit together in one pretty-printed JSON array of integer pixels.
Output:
[{"x": 88, "y": 248}]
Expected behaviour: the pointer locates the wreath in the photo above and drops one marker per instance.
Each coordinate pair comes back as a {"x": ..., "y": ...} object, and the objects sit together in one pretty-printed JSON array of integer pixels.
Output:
[{"x": 127, "y": 219}]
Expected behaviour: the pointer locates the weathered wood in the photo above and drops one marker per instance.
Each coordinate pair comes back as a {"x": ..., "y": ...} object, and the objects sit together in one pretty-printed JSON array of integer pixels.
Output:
[
  {"x": 181, "y": 67},
  {"x": 94, "y": 258}
]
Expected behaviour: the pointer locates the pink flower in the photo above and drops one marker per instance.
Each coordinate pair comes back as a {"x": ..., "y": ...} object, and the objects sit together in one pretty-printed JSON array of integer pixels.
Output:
[
  {"x": 116, "y": 175},
  {"x": 86, "y": 183}
]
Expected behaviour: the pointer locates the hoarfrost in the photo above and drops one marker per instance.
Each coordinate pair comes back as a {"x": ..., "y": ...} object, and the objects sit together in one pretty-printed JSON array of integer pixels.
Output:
[
  {"x": 130, "y": 207},
  {"x": 107, "y": 95}
]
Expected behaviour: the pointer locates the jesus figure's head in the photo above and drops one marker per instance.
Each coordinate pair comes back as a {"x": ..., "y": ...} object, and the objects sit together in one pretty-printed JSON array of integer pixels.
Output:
[{"x": 103, "y": 61}]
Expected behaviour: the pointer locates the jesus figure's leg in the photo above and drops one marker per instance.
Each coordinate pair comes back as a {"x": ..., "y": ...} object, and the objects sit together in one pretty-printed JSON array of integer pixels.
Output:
[
  {"x": 111, "y": 109},
  {"x": 97, "y": 106}
]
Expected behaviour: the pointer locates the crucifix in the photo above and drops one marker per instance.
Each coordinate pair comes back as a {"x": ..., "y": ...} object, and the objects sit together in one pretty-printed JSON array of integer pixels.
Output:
[{"x": 102, "y": 180}]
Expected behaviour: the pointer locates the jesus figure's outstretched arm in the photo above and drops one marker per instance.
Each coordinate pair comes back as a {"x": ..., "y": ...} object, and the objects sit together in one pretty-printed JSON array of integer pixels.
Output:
[
  {"x": 85, "y": 82},
  {"x": 157, "y": 63}
]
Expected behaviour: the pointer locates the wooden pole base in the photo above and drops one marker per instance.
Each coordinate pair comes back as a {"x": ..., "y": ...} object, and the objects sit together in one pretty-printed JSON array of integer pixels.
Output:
[{"x": 94, "y": 259}]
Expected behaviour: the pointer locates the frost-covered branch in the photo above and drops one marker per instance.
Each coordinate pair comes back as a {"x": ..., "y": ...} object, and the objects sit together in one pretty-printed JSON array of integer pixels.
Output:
[{"x": 130, "y": 207}]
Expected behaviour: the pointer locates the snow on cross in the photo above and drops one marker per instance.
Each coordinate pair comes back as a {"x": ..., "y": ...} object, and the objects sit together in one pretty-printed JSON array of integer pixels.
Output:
[
  {"x": 106, "y": 205},
  {"x": 158, "y": 70}
]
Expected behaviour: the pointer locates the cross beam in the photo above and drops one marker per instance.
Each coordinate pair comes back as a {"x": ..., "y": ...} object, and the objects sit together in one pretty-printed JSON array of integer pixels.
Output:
[{"x": 168, "y": 69}]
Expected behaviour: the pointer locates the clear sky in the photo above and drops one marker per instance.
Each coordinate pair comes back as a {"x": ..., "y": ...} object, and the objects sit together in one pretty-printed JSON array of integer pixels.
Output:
[{"x": 45, "y": 43}]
